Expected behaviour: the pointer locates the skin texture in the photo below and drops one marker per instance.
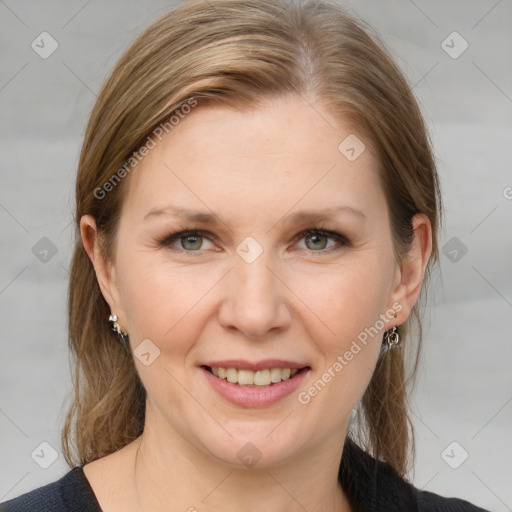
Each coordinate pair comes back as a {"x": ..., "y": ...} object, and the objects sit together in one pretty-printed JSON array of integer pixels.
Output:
[{"x": 299, "y": 300}]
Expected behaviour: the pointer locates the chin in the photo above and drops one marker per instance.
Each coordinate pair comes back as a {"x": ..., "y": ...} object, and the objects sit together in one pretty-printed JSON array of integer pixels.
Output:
[{"x": 249, "y": 447}]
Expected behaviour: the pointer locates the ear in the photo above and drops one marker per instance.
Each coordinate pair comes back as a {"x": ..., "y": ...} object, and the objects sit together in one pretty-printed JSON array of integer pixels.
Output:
[
  {"x": 105, "y": 270},
  {"x": 410, "y": 275}
]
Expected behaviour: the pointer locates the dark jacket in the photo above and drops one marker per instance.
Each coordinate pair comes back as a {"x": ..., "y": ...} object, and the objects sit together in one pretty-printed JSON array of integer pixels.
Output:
[{"x": 371, "y": 486}]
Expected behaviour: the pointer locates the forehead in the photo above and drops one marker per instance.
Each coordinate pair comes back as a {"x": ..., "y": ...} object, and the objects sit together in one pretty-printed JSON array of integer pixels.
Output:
[{"x": 287, "y": 151}]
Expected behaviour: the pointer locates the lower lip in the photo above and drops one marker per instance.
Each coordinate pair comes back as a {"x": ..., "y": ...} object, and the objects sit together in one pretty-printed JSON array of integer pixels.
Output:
[{"x": 255, "y": 397}]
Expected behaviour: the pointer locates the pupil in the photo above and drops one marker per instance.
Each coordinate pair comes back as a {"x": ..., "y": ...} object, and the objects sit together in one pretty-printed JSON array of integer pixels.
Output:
[
  {"x": 315, "y": 239},
  {"x": 195, "y": 239}
]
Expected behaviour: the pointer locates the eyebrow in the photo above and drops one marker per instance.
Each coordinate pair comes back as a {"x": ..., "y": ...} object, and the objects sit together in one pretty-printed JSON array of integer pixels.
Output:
[{"x": 301, "y": 216}]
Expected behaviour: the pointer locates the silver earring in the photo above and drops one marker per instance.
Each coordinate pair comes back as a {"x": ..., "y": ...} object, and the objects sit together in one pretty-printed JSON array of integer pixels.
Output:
[
  {"x": 123, "y": 336},
  {"x": 392, "y": 337}
]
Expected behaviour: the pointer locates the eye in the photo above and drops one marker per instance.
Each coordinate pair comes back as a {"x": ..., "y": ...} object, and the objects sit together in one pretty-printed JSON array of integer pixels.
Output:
[
  {"x": 316, "y": 240},
  {"x": 187, "y": 240}
]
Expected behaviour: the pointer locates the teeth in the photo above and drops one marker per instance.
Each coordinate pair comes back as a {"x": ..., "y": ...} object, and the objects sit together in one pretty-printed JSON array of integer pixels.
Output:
[
  {"x": 262, "y": 377},
  {"x": 257, "y": 378},
  {"x": 275, "y": 375},
  {"x": 232, "y": 375},
  {"x": 245, "y": 377}
]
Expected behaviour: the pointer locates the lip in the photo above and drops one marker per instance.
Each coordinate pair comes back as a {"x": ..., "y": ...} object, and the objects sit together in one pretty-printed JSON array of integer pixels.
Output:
[
  {"x": 243, "y": 364},
  {"x": 255, "y": 397}
]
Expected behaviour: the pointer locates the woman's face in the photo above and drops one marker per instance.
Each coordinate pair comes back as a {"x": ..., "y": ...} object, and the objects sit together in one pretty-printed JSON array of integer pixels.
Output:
[{"x": 251, "y": 285}]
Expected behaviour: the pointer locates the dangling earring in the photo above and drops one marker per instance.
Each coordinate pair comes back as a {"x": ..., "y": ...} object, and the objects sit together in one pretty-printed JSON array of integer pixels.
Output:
[
  {"x": 123, "y": 336},
  {"x": 392, "y": 337}
]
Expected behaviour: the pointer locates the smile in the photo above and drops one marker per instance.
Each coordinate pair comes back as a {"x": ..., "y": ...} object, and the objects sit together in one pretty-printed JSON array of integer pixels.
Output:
[
  {"x": 245, "y": 394},
  {"x": 249, "y": 378}
]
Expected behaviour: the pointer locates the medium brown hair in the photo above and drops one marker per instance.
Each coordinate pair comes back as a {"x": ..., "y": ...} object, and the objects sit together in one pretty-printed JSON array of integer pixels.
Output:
[{"x": 236, "y": 53}]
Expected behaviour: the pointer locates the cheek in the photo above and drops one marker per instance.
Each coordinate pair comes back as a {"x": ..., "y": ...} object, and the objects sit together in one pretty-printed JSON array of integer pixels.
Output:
[
  {"x": 347, "y": 332},
  {"x": 346, "y": 326},
  {"x": 345, "y": 298},
  {"x": 160, "y": 298}
]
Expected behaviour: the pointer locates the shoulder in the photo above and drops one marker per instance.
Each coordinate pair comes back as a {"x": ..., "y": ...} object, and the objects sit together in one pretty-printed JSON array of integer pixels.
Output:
[
  {"x": 405, "y": 492},
  {"x": 374, "y": 485},
  {"x": 70, "y": 493},
  {"x": 431, "y": 502}
]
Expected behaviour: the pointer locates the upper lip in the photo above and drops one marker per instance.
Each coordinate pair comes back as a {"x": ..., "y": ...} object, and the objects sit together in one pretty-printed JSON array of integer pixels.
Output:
[{"x": 243, "y": 364}]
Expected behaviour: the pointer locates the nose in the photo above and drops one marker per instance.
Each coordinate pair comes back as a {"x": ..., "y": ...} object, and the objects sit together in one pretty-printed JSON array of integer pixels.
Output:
[{"x": 256, "y": 300}]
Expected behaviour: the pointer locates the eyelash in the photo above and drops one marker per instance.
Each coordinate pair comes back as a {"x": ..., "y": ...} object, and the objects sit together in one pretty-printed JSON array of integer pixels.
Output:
[{"x": 183, "y": 232}]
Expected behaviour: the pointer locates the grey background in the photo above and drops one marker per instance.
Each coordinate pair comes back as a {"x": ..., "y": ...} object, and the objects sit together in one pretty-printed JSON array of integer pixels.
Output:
[{"x": 464, "y": 390}]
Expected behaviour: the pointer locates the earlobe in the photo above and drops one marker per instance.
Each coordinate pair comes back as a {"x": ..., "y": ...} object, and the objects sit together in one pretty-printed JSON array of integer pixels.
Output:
[
  {"x": 103, "y": 268},
  {"x": 412, "y": 270}
]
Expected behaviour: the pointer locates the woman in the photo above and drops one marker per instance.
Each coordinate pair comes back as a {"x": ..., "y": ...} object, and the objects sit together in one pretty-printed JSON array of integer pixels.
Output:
[{"x": 257, "y": 208}]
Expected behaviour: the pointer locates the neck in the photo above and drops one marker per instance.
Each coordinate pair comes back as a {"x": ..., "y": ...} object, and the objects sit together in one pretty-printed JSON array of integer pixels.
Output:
[{"x": 181, "y": 476}]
